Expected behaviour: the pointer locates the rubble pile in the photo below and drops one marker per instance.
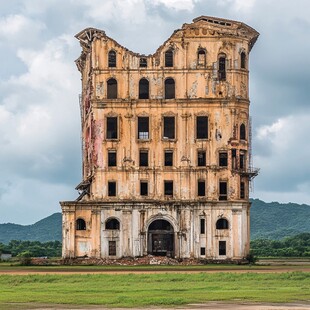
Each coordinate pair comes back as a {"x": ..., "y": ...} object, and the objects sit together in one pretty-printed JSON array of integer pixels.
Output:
[{"x": 133, "y": 261}]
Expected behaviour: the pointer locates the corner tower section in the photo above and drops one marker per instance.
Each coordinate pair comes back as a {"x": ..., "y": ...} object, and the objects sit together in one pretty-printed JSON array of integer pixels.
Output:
[{"x": 166, "y": 146}]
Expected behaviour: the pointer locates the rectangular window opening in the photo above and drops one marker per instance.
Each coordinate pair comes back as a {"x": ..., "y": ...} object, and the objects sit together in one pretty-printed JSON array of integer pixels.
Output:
[
  {"x": 223, "y": 191},
  {"x": 112, "y": 248},
  {"x": 202, "y": 226},
  {"x": 223, "y": 159},
  {"x": 112, "y": 158},
  {"x": 143, "y": 188},
  {"x": 242, "y": 161},
  {"x": 222, "y": 247},
  {"x": 111, "y": 188},
  {"x": 169, "y": 127},
  {"x": 202, "y": 127},
  {"x": 203, "y": 251},
  {"x": 168, "y": 158},
  {"x": 201, "y": 160},
  {"x": 143, "y": 128},
  {"x": 143, "y": 158},
  {"x": 143, "y": 62},
  {"x": 111, "y": 127},
  {"x": 168, "y": 188},
  {"x": 242, "y": 190},
  {"x": 201, "y": 188}
]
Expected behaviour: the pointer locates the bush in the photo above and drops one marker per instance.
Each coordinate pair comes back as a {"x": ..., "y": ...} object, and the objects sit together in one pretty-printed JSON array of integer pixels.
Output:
[{"x": 25, "y": 258}]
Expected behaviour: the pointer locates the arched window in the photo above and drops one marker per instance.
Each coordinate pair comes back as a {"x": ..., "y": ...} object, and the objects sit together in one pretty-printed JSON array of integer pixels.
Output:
[
  {"x": 202, "y": 57},
  {"x": 112, "y": 89},
  {"x": 143, "y": 89},
  {"x": 80, "y": 224},
  {"x": 112, "y": 59},
  {"x": 222, "y": 67},
  {"x": 169, "y": 88},
  {"x": 243, "y": 60},
  {"x": 169, "y": 58},
  {"x": 222, "y": 224},
  {"x": 242, "y": 132},
  {"x": 112, "y": 224}
]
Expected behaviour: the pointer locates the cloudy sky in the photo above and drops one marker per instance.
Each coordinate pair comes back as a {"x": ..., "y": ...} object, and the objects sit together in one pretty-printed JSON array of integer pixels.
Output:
[{"x": 40, "y": 152}]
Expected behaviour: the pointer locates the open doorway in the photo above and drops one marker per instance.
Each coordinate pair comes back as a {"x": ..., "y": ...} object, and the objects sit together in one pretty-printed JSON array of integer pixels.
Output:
[{"x": 161, "y": 238}]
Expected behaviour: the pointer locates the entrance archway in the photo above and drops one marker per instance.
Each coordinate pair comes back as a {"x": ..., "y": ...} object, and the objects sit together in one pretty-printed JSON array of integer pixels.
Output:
[{"x": 161, "y": 238}]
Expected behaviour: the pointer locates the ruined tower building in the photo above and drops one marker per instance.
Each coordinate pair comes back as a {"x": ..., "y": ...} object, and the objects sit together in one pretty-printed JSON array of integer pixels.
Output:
[{"x": 166, "y": 146}]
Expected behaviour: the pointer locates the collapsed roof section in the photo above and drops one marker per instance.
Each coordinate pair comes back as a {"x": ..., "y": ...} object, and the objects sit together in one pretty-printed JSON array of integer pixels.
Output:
[{"x": 212, "y": 27}]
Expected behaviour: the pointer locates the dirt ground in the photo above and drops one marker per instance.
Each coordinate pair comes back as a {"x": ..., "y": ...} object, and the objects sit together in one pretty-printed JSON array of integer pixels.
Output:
[{"x": 207, "y": 306}]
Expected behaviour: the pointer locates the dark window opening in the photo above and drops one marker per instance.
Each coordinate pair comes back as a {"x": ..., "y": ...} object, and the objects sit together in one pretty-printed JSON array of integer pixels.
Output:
[
  {"x": 143, "y": 128},
  {"x": 169, "y": 58},
  {"x": 202, "y": 251},
  {"x": 168, "y": 158},
  {"x": 112, "y": 224},
  {"x": 202, "y": 127},
  {"x": 80, "y": 224},
  {"x": 169, "y": 88},
  {"x": 222, "y": 247},
  {"x": 222, "y": 224},
  {"x": 201, "y": 58},
  {"x": 168, "y": 188},
  {"x": 223, "y": 191},
  {"x": 112, "y": 158},
  {"x": 242, "y": 132},
  {"x": 223, "y": 159},
  {"x": 222, "y": 68},
  {"x": 202, "y": 226},
  {"x": 112, "y": 59},
  {"x": 112, "y": 189},
  {"x": 201, "y": 158},
  {"x": 111, "y": 127},
  {"x": 169, "y": 127},
  {"x": 112, "y": 89},
  {"x": 242, "y": 190},
  {"x": 243, "y": 60},
  {"x": 241, "y": 161},
  {"x": 143, "y": 89},
  {"x": 233, "y": 158},
  {"x": 112, "y": 248},
  {"x": 144, "y": 188},
  {"x": 143, "y": 158},
  {"x": 201, "y": 188},
  {"x": 143, "y": 62}
]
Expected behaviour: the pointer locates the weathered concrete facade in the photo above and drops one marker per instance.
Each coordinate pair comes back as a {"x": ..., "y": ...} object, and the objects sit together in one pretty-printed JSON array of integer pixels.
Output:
[{"x": 166, "y": 146}]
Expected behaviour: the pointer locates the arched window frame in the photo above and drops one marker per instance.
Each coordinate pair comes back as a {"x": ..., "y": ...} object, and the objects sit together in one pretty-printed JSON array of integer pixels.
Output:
[
  {"x": 112, "y": 59},
  {"x": 169, "y": 58},
  {"x": 116, "y": 223},
  {"x": 201, "y": 60},
  {"x": 222, "y": 223},
  {"x": 80, "y": 224},
  {"x": 169, "y": 90},
  {"x": 243, "y": 60},
  {"x": 145, "y": 95},
  {"x": 242, "y": 132},
  {"x": 222, "y": 66},
  {"x": 111, "y": 94}
]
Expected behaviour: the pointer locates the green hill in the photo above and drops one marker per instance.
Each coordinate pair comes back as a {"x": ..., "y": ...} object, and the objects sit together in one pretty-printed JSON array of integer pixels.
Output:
[
  {"x": 268, "y": 220},
  {"x": 276, "y": 220},
  {"x": 47, "y": 229}
]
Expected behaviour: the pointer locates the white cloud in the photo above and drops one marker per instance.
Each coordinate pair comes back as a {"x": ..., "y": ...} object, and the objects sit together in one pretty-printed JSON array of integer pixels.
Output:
[
  {"x": 18, "y": 28},
  {"x": 239, "y": 5},
  {"x": 187, "y": 5}
]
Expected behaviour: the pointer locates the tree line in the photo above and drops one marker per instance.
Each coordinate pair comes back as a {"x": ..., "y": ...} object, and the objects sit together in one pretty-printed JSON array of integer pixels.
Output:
[
  {"x": 296, "y": 246},
  {"x": 33, "y": 248}
]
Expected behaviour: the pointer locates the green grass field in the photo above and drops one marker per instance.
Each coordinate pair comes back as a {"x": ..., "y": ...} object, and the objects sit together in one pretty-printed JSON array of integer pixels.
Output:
[{"x": 161, "y": 289}]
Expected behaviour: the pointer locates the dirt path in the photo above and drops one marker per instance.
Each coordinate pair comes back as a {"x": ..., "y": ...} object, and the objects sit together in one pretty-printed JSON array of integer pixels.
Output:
[
  {"x": 150, "y": 271},
  {"x": 207, "y": 306}
]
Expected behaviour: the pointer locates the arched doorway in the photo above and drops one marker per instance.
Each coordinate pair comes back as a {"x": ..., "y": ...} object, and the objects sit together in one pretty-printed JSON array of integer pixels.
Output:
[{"x": 161, "y": 238}]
